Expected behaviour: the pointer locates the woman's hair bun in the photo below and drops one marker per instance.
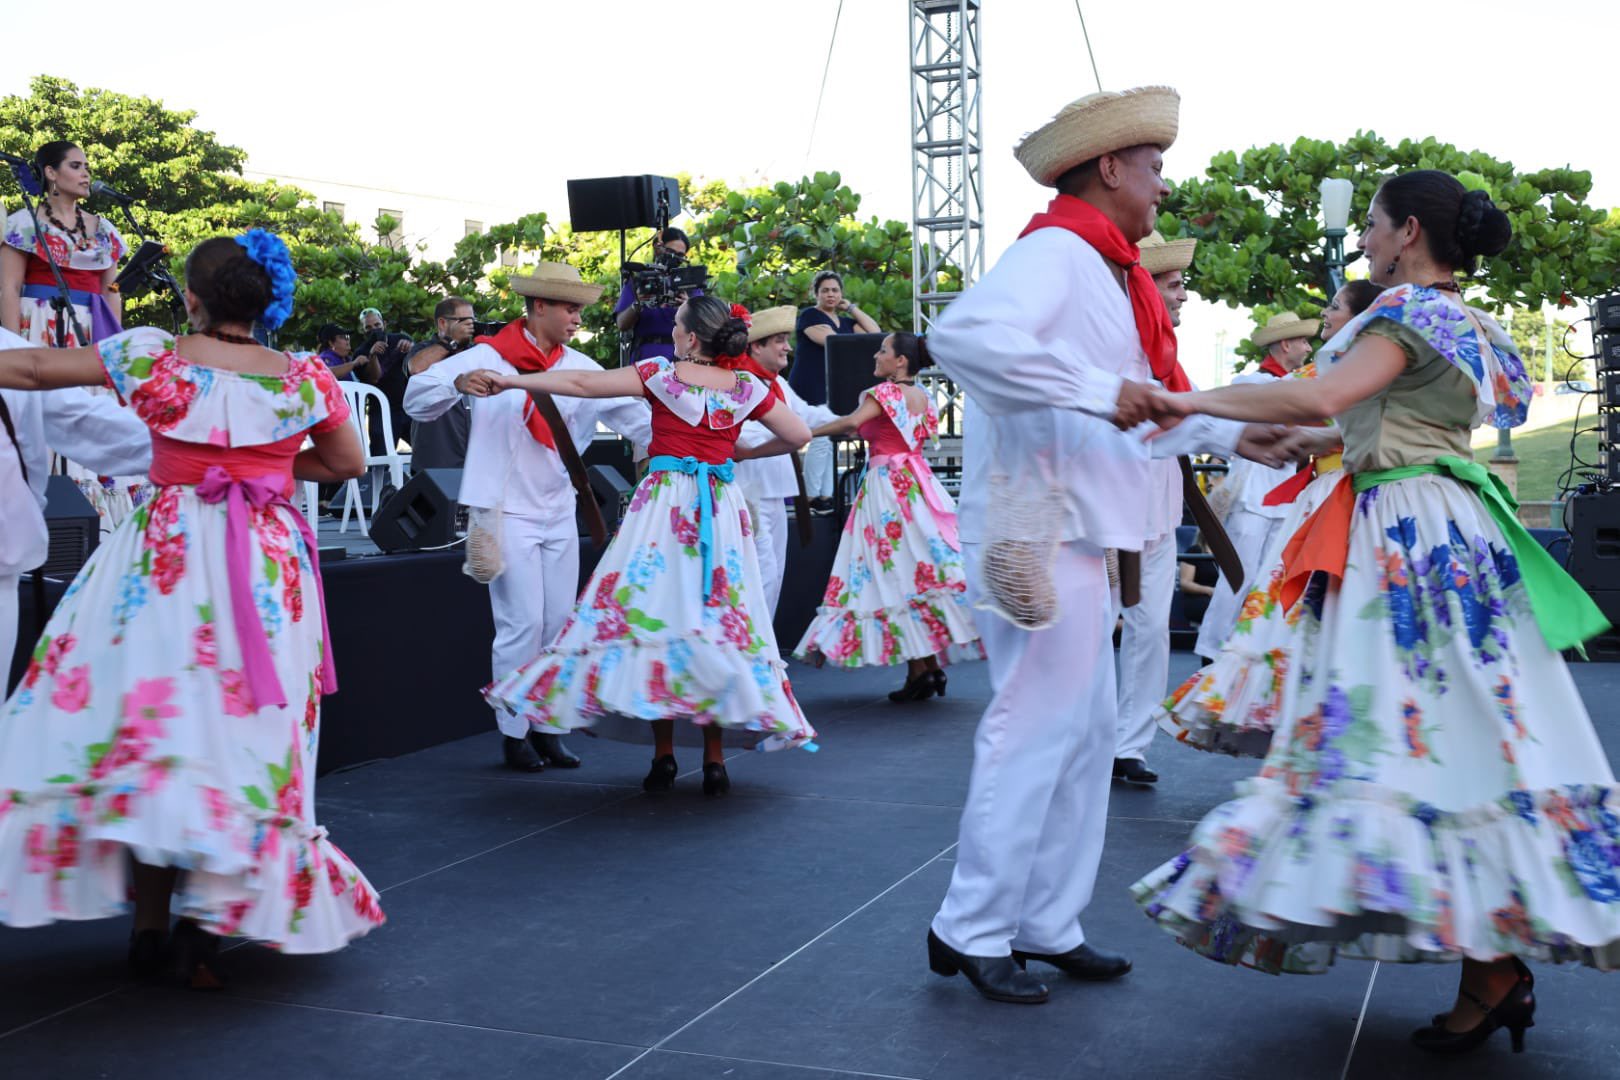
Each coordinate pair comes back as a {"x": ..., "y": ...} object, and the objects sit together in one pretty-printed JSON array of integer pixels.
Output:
[{"x": 1482, "y": 228}]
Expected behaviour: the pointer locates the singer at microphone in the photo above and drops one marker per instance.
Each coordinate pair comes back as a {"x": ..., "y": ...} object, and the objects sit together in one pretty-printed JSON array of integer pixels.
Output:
[{"x": 106, "y": 191}]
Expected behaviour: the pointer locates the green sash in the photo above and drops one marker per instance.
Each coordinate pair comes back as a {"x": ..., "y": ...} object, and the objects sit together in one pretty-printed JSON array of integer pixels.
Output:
[{"x": 1564, "y": 612}]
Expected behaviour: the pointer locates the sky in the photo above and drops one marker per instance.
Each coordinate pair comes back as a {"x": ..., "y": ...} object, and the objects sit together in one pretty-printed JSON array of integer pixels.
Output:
[{"x": 503, "y": 101}]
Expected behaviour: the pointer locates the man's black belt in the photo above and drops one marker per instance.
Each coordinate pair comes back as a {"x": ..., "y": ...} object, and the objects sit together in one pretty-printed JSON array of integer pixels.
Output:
[{"x": 655, "y": 339}]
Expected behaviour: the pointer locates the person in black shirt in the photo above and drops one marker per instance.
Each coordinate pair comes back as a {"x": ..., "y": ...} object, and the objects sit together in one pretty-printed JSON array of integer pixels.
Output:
[
  {"x": 830, "y": 314},
  {"x": 442, "y": 443},
  {"x": 388, "y": 351}
]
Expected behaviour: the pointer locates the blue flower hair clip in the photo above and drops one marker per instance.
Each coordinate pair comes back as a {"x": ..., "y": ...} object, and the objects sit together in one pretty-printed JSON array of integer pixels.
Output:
[{"x": 268, "y": 250}]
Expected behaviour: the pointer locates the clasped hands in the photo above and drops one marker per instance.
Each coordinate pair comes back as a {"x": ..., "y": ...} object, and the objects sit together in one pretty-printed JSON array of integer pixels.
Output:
[
  {"x": 1267, "y": 444},
  {"x": 482, "y": 382}
]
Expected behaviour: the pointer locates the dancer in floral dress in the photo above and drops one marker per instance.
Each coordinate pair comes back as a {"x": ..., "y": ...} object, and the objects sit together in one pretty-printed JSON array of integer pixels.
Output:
[
  {"x": 86, "y": 249},
  {"x": 897, "y": 590},
  {"x": 674, "y": 624},
  {"x": 1434, "y": 789},
  {"x": 167, "y": 726},
  {"x": 1230, "y": 705}
]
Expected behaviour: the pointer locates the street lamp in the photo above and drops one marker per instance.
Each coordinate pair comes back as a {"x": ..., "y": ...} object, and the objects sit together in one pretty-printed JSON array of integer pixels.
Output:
[{"x": 1336, "y": 193}]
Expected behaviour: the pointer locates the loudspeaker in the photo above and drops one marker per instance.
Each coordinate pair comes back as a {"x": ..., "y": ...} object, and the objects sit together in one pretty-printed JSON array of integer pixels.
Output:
[
  {"x": 849, "y": 369},
  {"x": 620, "y": 202},
  {"x": 422, "y": 514},
  {"x": 616, "y": 453},
  {"x": 1594, "y": 541},
  {"x": 1606, "y": 313},
  {"x": 612, "y": 492},
  {"x": 73, "y": 525}
]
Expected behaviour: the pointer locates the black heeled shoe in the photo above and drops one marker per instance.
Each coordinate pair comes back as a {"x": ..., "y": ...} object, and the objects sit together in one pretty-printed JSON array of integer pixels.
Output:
[
  {"x": 996, "y": 977},
  {"x": 1516, "y": 1012},
  {"x": 194, "y": 955},
  {"x": 918, "y": 687},
  {"x": 1080, "y": 962},
  {"x": 550, "y": 749},
  {"x": 939, "y": 681},
  {"x": 715, "y": 780},
  {"x": 662, "y": 775},
  {"x": 148, "y": 949}
]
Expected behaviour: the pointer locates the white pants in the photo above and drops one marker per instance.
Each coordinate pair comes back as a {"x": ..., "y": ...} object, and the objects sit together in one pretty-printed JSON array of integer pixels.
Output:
[
  {"x": 1144, "y": 650},
  {"x": 1250, "y": 534},
  {"x": 770, "y": 520},
  {"x": 533, "y": 597},
  {"x": 9, "y": 614},
  {"x": 1037, "y": 805},
  {"x": 818, "y": 468}
]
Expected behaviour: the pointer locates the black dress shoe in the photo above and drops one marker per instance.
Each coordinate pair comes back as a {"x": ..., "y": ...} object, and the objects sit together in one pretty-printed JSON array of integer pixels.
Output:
[
  {"x": 715, "y": 780},
  {"x": 552, "y": 751},
  {"x": 148, "y": 953},
  {"x": 662, "y": 775},
  {"x": 1133, "y": 771},
  {"x": 993, "y": 976},
  {"x": 520, "y": 755},
  {"x": 918, "y": 687},
  {"x": 1080, "y": 962}
]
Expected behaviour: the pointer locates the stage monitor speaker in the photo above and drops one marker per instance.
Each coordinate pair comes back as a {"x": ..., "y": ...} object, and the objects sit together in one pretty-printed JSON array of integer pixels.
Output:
[
  {"x": 849, "y": 369},
  {"x": 1606, "y": 314},
  {"x": 422, "y": 514},
  {"x": 612, "y": 492},
  {"x": 1594, "y": 541},
  {"x": 73, "y": 525},
  {"x": 614, "y": 452},
  {"x": 620, "y": 202}
]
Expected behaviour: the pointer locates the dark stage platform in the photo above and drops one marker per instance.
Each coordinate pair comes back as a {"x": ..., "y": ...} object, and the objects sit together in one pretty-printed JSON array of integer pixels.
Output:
[{"x": 565, "y": 925}]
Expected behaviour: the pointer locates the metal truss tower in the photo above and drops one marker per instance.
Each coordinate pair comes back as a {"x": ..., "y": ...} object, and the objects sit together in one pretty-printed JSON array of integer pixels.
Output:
[{"x": 947, "y": 192}]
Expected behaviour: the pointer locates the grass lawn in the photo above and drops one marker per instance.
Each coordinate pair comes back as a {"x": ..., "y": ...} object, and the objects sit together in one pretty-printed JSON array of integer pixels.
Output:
[{"x": 1543, "y": 451}]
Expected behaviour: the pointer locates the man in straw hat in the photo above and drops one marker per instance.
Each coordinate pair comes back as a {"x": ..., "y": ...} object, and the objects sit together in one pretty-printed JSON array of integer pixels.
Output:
[
  {"x": 767, "y": 482},
  {"x": 517, "y": 472},
  {"x": 1144, "y": 643},
  {"x": 1250, "y": 523},
  {"x": 1060, "y": 338}
]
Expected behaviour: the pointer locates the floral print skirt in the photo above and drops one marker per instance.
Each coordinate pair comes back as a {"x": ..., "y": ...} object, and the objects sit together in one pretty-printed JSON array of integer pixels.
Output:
[
  {"x": 1433, "y": 788},
  {"x": 897, "y": 591},
  {"x": 134, "y": 733},
  {"x": 650, "y": 640}
]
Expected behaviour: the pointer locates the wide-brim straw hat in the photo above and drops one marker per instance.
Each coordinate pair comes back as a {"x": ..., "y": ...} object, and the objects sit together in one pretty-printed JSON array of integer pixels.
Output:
[
  {"x": 556, "y": 281},
  {"x": 1100, "y": 124},
  {"x": 1160, "y": 256},
  {"x": 1283, "y": 326},
  {"x": 773, "y": 321}
]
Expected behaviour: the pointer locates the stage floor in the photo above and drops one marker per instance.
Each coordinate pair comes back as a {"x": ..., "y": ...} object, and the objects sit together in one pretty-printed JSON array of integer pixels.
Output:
[{"x": 566, "y": 925}]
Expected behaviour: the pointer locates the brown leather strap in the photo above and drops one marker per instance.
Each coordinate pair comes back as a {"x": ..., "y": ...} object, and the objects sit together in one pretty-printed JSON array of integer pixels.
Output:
[
  {"x": 22, "y": 462},
  {"x": 801, "y": 505},
  {"x": 1214, "y": 533},
  {"x": 566, "y": 450},
  {"x": 1130, "y": 578}
]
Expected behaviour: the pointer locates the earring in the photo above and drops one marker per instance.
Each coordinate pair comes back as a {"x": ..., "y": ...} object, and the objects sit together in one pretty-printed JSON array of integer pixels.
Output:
[{"x": 1390, "y": 269}]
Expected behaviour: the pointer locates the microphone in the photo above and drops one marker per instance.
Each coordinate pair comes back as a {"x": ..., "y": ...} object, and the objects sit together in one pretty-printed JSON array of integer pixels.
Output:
[{"x": 98, "y": 188}]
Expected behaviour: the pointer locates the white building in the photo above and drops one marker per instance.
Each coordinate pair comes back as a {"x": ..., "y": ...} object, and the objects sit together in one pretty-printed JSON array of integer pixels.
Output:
[{"x": 435, "y": 222}]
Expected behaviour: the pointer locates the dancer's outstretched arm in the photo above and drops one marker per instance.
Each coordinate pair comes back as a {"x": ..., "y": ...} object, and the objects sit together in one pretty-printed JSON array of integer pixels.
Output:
[
  {"x": 619, "y": 382},
  {"x": 847, "y": 425},
  {"x": 790, "y": 433},
  {"x": 50, "y": 369}
]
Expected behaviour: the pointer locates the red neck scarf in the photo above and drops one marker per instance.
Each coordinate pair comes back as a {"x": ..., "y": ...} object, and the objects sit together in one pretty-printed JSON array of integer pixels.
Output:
[
  {"x": 519, "y": 350},
  {"x": 756, "y": 369},
  {"x": 1152, "y": 320},
  {"x": 1270, "y": 366}
]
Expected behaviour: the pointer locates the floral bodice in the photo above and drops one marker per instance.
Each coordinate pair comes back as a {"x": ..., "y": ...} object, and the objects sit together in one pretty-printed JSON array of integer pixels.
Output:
[
  {"x": 695, "y": 421},
  {"x": 912, "y": 429},
  {"x": 101, "y": 250},
  {"x": 210, "y": 406}
]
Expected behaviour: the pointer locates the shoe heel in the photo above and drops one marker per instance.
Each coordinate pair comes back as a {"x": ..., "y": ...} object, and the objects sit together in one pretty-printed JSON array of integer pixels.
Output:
[
  {"x": 1021, "y": 961},
  {"x": 1517, "y": 1034},
  {"x": 940, "y": 961}
]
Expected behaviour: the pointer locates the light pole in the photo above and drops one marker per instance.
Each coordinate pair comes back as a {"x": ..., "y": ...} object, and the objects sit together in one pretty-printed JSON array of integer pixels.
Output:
[{"x": 1336, "y": 193}]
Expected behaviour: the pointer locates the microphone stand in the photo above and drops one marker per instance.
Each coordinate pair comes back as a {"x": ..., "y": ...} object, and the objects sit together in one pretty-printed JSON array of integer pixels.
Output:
[
  {"x": 158, "y": 271},
  {"x": 63, "y": 301}
]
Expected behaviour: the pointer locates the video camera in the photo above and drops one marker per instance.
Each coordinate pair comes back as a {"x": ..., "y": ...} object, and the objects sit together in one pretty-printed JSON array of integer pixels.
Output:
[
  {"x": 661, "y": 283},
  {"x": 487, "y": 329}
]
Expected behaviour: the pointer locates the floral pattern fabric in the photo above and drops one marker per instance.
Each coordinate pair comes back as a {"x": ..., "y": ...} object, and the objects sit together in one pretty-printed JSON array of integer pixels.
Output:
[
  {"x": 1432, "y": 786},
  {"x": 134, "y": 730},
  {"x": 898, "y": 590},
  {"x": 650, "y": 640}
]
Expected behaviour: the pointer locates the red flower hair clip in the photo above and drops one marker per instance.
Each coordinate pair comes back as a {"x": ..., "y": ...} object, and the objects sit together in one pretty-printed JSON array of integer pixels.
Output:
[{"x": 740, "y": 312}]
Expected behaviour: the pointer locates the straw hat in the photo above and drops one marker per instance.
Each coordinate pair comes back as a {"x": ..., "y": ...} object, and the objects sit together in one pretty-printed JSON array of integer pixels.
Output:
[
  {"x": 1284, "y": 326},
  {"x": 1099, "y": 124},
  {"x": 773, "y": 321},
  {"x": 1160, "y": 256},
  {"x": 556, "y": 281}
]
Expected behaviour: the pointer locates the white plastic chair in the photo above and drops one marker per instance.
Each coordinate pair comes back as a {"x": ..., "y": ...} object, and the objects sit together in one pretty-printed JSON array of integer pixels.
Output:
[{"x": 361, "y": 396}]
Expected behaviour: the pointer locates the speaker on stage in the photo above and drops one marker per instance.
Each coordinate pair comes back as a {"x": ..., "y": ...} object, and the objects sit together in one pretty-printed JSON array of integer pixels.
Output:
[
  {"x": 1594, "y": 542},
  {"x": 849, "y": 369},
  {"x": 616, "y": 453},
  {"x": 620, "y": 202},
  {"x": 73, "y": 525},
  {"x": 612, "y": 492},
  {"x": 422, "y": 514}
]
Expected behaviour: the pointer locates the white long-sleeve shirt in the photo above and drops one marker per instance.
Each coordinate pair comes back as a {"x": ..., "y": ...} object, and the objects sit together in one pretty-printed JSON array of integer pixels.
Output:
[
  {"x": 91, "y": 429},
  {"x": 1251, "y": 481},
  {"x": 506, "y": 467},
  {"x": 1041, "y": 346},
  {"x": 772, "y": 477}
]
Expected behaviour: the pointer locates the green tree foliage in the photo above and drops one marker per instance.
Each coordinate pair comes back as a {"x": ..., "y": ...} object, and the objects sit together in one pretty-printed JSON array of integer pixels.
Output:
[{"x": 1258, "y": 217}]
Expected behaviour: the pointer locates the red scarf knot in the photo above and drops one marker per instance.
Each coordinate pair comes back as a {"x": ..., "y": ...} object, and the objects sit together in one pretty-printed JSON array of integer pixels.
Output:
[{"x": 518, "y": 349}]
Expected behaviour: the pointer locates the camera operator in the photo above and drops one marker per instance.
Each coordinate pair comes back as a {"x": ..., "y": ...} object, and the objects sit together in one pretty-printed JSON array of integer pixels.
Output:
[
  {"x": 442, "y": 443},
  {"x": 387, "y": 374},
  {"x": 651, "y": 321}
]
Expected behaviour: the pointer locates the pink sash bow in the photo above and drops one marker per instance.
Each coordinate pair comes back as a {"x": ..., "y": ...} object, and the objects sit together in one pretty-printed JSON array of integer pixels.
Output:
[
  {"x": 914, "y": 460},
  {"x": 260, "y": 492}
]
